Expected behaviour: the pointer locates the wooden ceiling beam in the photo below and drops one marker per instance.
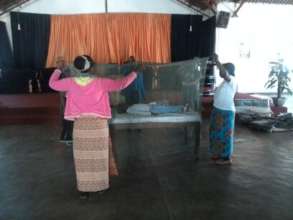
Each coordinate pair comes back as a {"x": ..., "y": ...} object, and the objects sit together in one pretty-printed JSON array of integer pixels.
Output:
[
  {"x": 8, "y": 6},
  {"x": 234, "y": 14},
  {"x": 194, "y": 7}
]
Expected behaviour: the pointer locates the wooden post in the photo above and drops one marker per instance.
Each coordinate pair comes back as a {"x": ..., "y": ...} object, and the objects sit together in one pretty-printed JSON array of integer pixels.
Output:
[
  {"x": 106, "y": 6},
  {"x": 196, "y": 134}
]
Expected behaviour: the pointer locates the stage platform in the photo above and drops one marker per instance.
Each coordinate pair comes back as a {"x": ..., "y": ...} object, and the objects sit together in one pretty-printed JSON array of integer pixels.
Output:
[{"x": 29, "y": 108}]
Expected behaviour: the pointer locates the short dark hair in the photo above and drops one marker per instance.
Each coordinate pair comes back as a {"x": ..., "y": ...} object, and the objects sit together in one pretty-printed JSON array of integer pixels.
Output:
[
  {"x": 230, "y": 67},
  {"x": 83, "y": 63}
]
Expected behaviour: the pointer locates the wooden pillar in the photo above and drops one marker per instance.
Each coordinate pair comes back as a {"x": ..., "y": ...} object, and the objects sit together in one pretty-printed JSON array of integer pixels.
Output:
[{"x": 106, "y": 6}]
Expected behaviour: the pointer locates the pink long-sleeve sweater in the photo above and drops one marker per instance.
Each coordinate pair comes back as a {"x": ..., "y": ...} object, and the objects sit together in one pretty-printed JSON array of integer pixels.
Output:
[{"x": 91, "y": 99}]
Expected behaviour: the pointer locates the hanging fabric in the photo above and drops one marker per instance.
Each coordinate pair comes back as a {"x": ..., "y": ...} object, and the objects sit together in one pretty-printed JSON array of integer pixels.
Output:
[
  {"x": 111, "y": 38},
  {"x": 6, "y": 57},
  {"x": 30, "y": 33},
  {"x": 192, "y": 37}
]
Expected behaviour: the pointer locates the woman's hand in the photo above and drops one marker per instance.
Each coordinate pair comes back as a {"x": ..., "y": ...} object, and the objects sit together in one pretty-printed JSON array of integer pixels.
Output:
[
  {"x": 223, "y": 71},
  {"x": 215, "y": 58},
  {"x": 139, "y": 67},
  {"x": 61, "y": 63}
]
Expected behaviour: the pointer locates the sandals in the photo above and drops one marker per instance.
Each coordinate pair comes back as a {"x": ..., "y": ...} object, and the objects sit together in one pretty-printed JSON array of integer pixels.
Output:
[
  {"x": 223, "y": 162},
  {"x": 84, "y": 195},
  {"x": 219, "y": 161},
  {"x": 213, "y": 159}
]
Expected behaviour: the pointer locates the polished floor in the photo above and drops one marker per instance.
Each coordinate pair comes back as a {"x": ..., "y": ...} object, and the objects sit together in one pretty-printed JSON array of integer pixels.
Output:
[
  {"x": 158, "y": 178},
  {"x": 289, "y": 103}
]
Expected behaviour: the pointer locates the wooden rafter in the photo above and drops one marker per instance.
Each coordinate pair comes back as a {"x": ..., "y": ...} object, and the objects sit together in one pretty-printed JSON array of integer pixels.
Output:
[
  {"x": 234, "y": 14},
  {"x": 8, "y": 5},
  {"x": 194, "y": 7}
]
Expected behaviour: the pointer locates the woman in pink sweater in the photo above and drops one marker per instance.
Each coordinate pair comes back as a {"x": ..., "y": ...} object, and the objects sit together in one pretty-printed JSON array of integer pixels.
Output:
[{"x": 88, "y": 106}]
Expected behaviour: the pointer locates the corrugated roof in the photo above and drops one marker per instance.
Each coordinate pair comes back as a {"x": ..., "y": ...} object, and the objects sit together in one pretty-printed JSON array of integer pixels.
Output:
[
  {"x": 205, "y": 3},
  {"x": 285, "y": 2},
  {"x": 7, "y": 5}
]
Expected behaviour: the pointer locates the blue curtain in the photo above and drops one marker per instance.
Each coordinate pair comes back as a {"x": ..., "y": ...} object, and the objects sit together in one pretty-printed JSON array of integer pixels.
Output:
[
  {"x": 6, "y": 57},
  {"x": 192, "y": 37},
  {"x": 30, "y": 33}
]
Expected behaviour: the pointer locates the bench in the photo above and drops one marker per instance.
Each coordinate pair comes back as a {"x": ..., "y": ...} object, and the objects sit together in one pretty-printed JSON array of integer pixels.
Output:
[
  {"x": 189, "y": 120},
  {"x": 177, "y": 83}
]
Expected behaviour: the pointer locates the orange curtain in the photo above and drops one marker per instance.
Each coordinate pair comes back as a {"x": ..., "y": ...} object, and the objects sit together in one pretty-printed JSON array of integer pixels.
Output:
[{"x": 111, "y": 38}]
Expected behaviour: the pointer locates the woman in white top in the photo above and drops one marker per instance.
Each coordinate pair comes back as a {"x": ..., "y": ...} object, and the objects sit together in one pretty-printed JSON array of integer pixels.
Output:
[{"x": 223, "y": 116}]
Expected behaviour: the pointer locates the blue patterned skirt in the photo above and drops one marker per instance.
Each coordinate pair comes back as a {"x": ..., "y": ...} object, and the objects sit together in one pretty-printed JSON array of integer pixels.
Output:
[{"x": 221, "y": 134}]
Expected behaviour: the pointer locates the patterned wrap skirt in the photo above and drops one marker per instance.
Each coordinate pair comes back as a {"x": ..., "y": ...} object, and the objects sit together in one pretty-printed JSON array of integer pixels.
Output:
[
  {"x": 92, "y": 153},
  {"x": 221, "y": 134}
]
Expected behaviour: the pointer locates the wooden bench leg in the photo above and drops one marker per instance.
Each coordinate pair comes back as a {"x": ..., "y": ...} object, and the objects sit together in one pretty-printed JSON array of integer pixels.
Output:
[
  {"x": 185, "y": 135},
  {"x": 196, "y": 134}
]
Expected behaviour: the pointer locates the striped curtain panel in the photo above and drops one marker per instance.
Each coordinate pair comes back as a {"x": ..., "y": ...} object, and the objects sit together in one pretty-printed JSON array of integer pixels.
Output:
[
  {"x": 191, "y": 37},
  {"x": 30, "y": 33},
  {"x": 6, "y": 57},
  {"x": 111, "y": 38}
]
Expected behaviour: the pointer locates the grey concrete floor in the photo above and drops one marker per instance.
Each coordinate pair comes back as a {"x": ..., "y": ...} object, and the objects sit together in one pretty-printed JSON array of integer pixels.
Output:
[
  {"x": 158, "y": 178},
  {"x": 289, "y": 103}
]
